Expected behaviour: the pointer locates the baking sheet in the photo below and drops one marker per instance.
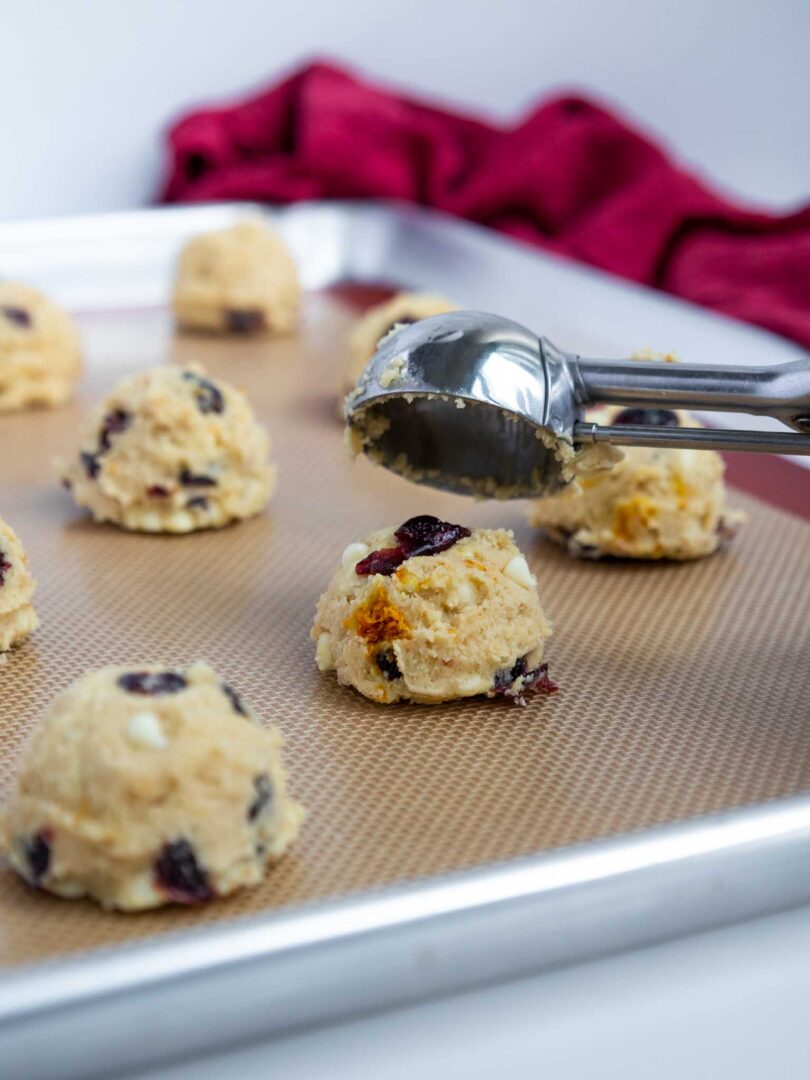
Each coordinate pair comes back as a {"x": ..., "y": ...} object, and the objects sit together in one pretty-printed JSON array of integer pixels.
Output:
[{"x": 684, "y": 688}]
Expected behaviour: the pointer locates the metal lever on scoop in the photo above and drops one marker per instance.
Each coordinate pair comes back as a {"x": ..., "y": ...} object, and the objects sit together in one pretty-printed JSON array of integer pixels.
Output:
[
  {"x": 781, "y": 391},
  {"x": 764, "y": 442},
  {"x": 682, "y": 439}
]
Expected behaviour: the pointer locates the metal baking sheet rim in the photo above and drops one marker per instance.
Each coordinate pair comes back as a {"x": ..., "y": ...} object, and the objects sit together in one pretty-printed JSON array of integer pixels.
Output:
[{"x": 265, "y": 975}]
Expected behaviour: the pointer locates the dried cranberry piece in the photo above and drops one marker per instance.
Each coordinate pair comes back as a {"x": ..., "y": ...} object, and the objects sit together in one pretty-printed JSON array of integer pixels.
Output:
[
  {"x": 152, "y": 683},
  {"x": 422, "y": 535},
  {"x": 245, "y": 320},
  {"x": 386, "y": 661},
  {"x": 235, "y": 700},
  {"x": 535, "y": 680},
  {"x": 38, "y": 854},
  {"x": 506, "y": 676},
  {"x": 726, "y": 530},
  {"x": 264, "y": 795},
  {"x": 189, "y": 479},
  {"x": 199, "y": 502},
  {"x": 113, "y": 424},
  {"x": 5, "y": 566},
  {"x": 158, "y": 491},
  {"x": 179, "y": 874},
  {"x": 17, "y": 315},
  {"x": 584, "y": 551},
  {"x": 538, "y": 681},
  {"x": 574, "y": 546},
  {"x": 426, "y": 535},
  {"x": 90, "y": 463},
  {"x": 652, "y": 417},
  {"x": 208, "y": 396},
  {"x": 385, "y": 561}
]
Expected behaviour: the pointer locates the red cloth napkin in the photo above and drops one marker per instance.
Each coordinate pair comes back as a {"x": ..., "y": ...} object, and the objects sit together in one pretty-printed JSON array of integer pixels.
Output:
[{"x": 570, "y": 177}]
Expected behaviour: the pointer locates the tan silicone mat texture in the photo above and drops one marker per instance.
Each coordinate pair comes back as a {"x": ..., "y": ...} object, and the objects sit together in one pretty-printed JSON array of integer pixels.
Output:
[{"x": 684, "y": 688}]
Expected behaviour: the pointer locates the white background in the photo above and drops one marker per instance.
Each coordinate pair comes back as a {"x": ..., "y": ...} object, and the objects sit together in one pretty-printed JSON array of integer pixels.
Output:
[
  {"x": 88, "y": 86},
  {"x": 86, "y": 89}
]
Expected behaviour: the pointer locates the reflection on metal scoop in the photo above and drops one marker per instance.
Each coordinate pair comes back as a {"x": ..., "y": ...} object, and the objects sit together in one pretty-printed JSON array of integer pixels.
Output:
[{"x": 478, "y": 404}]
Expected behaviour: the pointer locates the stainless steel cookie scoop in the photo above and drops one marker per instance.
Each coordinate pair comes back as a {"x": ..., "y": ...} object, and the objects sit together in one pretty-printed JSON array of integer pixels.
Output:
[{"x": 478, "y": 404}]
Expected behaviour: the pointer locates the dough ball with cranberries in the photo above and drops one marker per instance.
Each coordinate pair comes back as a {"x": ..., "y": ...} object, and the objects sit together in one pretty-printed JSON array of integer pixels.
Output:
[
  {"x": 240, "y": 280},
  {"x": 171, "y": 450},
  {"x": 144, "y": 786},
  {"x": 653, "y": 504},
  {"x": 40, "y": 352},
  {"x": 380, "y": 320},
  {"x": 17, "y": 616},
  {"x": 431, "y": 612}
]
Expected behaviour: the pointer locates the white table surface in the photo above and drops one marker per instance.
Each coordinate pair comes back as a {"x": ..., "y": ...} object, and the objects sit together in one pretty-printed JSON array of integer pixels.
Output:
[{"x": 730, "y": 1003}]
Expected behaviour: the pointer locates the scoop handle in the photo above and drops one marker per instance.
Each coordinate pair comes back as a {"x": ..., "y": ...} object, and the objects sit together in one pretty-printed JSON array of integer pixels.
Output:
[{"x": 780, "y": 390}]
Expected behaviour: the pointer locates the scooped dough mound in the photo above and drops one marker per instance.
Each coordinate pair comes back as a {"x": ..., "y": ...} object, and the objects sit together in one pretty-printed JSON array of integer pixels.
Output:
[
  {"x": 145, "y": 786},
  {"x": 171, "y": 450},
  {"x": 431, "y": 612},
  {"x": 380, "y": 320},
  {"x": 653, "y": 504},
  {"x": 40, "y": 354},
  {"x": 239, "y": 280},
  {"x": 17, "y": 616}
]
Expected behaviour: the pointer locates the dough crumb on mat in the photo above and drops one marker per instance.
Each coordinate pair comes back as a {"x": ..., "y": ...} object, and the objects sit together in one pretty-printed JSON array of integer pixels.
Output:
[
  {"x": 171, "y": 450},
  {"x": 654, "y": 504},
  {"x": 17, "y": 616},
  {"x": 145, "y": 786},
  {"x": 403, "y": 309},
  {"x": 239, "y": 280},
  {"x": 40, "y": 350},
  {"x": 431, "y": 612}
]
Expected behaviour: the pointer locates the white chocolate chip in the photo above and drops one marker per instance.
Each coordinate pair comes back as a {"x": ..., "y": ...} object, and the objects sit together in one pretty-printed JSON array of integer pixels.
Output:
[
  {"x": 518, "y": 570},
  {"x": 145, "y": 730},
  {"x": 473, "y": 684},
  {"x": 353, "y": 554},
  {"x": 71, "y": 890},
  {"x": 181, "y": 521},
  {"x": 141, "y": 891},
  {"x": 323, "y": 653},
  {"x": 151, "y": 522},
  {"x": 465, "y": 594}
]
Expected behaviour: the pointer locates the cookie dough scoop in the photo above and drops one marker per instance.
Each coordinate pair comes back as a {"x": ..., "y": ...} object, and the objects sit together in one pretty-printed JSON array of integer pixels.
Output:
[{"x": 480, "y": 405}]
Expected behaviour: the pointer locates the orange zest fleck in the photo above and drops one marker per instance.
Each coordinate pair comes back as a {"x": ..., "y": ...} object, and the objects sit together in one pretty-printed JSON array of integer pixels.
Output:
[
  {"x": 378, "y": 620},
  {"x": 682, "y": 490},
  {"x": 633, "y": 516}
]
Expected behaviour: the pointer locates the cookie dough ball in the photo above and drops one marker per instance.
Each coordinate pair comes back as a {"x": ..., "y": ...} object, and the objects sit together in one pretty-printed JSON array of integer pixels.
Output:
[
  {"x": 653, "y": 504},
  {"x": 17, "y": 616},
  {"x": 141, "y": 787},
  {"x": 380, "y": 320},
  {"x": 171, "y": 451},
  {"x": 40, "y": 356},
  {"x": 430, "y": 612},
  {"x": 240, "y": 280}
]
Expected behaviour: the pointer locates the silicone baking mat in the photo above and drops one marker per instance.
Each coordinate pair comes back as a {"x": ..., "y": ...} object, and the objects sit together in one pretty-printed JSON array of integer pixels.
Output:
[{"x": 684, "y": 688}]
